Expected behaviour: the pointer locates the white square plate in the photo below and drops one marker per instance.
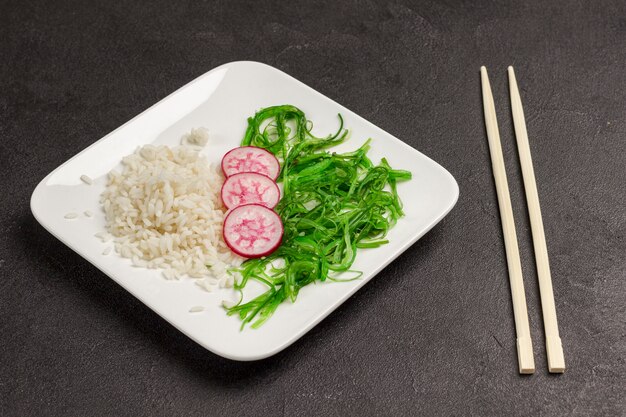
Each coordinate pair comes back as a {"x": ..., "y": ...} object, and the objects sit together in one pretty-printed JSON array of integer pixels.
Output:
[{"x": 221, "y": 100}]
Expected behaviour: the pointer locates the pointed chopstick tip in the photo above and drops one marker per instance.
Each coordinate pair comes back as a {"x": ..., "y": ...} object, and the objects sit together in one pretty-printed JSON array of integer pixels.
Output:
[
  {"x": 484, "y": 78},
  {"x": 512, "y": 75}
]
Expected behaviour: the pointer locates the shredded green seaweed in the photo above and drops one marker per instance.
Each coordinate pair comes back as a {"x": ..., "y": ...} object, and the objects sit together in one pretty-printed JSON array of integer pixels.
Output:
[{"x": 332, "y": 205}]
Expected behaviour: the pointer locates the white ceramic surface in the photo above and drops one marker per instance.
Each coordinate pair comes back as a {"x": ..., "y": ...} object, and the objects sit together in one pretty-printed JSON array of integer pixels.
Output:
[{"x": 221, "y": 100}]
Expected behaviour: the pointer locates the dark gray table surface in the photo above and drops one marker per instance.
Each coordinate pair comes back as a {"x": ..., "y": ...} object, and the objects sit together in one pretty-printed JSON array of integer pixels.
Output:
[{"x": 433, "y": 334}]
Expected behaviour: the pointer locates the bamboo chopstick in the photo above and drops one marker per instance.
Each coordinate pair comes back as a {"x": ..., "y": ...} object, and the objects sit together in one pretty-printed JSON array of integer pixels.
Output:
[
  {"x": 554, "y": 349},
  {"x": 524, "y": 343}
]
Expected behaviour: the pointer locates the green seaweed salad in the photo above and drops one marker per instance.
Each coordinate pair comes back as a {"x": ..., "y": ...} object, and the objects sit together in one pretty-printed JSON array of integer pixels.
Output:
[{"x": 332, "y": 205}]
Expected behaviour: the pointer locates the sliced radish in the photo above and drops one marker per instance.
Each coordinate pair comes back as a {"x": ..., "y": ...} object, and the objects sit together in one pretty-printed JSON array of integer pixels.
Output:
[
  {"x": 253, "y": 230},
  {"x": 250, "y": 159},
  {"x": 248, "y": 188}
]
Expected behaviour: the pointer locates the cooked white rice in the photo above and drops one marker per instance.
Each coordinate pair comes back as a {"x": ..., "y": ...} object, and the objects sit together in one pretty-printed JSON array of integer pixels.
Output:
[
  {"x": 104, "y": 236},
  {"x": 86, "y": 179},
  {"x": 164, "y": 211},
  {"x": 197, "y": 137}
]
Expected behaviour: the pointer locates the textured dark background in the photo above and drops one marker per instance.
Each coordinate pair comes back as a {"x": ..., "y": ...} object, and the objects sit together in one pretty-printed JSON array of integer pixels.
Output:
[{"x": 433, "y": 334}]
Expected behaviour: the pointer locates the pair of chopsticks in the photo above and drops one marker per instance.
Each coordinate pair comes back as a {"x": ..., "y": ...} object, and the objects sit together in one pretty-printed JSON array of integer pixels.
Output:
[{"x": 554, "y": 350}]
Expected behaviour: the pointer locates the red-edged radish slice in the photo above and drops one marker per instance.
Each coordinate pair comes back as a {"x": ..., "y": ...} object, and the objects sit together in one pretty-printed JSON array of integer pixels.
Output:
[
  {"x": 249, "y": 188},
  {"x": 252, "y": 230},
  {"x": 250, "y": 159}
]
